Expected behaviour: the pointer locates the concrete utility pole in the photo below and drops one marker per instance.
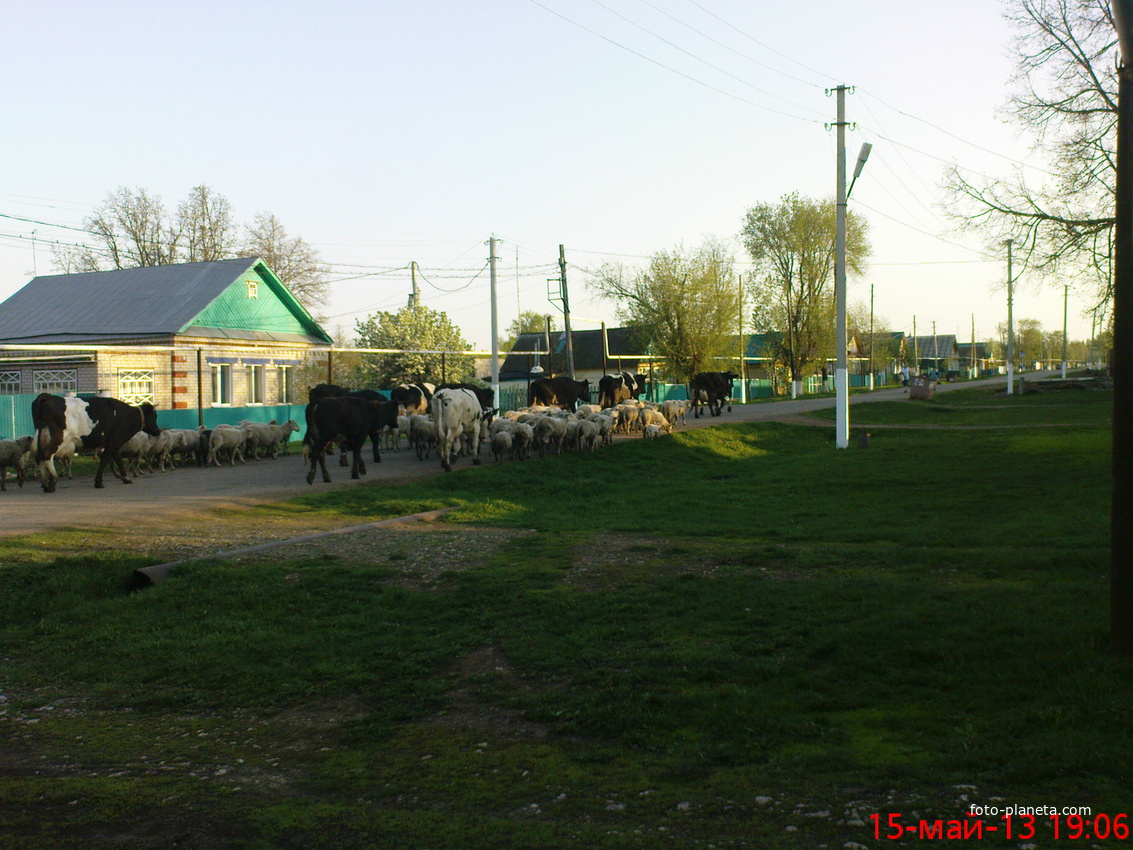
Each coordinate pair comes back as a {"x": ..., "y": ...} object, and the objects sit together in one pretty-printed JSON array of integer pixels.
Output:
[
  {"x": 415, "y": 295},
  {"x": 566, "y": 311},
  {"x": 1065, "y": 322},
  {"x": 1010, "y": 323},
  {"x": 495, "y": 324},
  {"x": 972, "y": 360},
  {"x": 841, "y": 372},
  {"x": 1121, "y": 504},
  {"x": 872, "y": 341}
]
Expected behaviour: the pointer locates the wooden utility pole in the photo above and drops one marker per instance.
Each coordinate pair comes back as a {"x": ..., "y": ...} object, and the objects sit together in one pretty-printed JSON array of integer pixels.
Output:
[
  {"x": 566, "y": 311},
  {"x": 495, "y": 322}
]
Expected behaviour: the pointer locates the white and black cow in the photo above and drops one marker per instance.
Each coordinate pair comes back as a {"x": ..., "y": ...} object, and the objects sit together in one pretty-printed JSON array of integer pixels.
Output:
[
  {"x": 456, "y": 412},
  {"x": 711, "y": 389},
  {"x": 624, "y": 386},
  {"x": 97, "y": 423}
]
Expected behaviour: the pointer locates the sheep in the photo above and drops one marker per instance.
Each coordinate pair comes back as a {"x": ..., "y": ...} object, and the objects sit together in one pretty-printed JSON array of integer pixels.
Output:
[
  {"x": 501, "y": 445},
  {"x": 14, "y": 453},
  {"x": 548, "y": 430},
  {"x": 225, "y": 439},
  {"x": 588, "y": 434},
  {"x": 654, "y": 417},
  {"x": 651, "y": 432},
  {"x": 606, "y": 424},
  {"x": 422, "y": 434},
  {"x": 675, "y": 410},
  {"x": 522, "y": 437}
]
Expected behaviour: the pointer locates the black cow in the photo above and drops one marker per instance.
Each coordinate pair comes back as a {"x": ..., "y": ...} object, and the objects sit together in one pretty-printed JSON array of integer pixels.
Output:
[
  {"x": 97, "y": 423},
  {"x": 614, "y": 389},
  {"x": 326, "y": 391},
  {"x": 349, "y": 419},
  {"x": 563, "y": 392},
  {"x": 711, "y": 389}
]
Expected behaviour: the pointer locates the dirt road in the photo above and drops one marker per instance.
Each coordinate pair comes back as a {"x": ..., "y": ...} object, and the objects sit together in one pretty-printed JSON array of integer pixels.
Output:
[{"x": 192, "y": 491}]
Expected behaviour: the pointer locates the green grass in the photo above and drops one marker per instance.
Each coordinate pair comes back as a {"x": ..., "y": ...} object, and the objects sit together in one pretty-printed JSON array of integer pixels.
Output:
[{"x": 734, "y": 637}]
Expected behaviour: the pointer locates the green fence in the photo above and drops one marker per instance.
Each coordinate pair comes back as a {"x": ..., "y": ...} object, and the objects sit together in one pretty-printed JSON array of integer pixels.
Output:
[{"x": 15, "y": 416}]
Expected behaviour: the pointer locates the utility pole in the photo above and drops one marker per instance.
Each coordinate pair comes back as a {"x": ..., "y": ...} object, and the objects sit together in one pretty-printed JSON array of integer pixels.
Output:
[
  {"x": 1065, "y": 322},
  {"x": 743, "y": 346},
  {"x": 935, "y": 351},
  {"x": 872, "y": 341},
  {"x": 1121, "y": 502},
  {"x": 972, "y": 359},
  {"x": 566, "y": 311},
  {"x": 547, "y": 331},
  {"x": 916, "y": 350},
  {"x": 841, "y": 372},
  {"x": 1010, "y": 323},
  {"x": 415, "y": 295},
  {"x": 495, "y": 323}
]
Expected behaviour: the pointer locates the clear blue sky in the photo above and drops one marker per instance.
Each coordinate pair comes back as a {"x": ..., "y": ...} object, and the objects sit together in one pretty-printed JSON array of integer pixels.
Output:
[{"x": 387, "y": 132}]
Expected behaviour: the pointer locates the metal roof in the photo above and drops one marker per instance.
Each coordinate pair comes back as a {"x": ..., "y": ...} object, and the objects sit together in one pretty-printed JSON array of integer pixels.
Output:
[{"x": 129, "y": 302}]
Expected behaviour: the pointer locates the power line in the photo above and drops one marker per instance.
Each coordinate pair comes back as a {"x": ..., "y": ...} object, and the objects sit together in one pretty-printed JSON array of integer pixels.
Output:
[{"x": 671, "y": 69}]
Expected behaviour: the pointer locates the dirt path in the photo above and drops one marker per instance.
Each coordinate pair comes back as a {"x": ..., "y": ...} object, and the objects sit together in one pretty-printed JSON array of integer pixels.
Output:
[{"x": 189, "y": 496}]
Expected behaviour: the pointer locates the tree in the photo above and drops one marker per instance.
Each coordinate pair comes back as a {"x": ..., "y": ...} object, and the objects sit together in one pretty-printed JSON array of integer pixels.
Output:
[
  {"x": 1066, "y": 98},
  {"x": 297, "y": 264},
  {"x": 686, "y": 306},
  {"x": 420, "y": 335},
  {"x": 883, "y": 345},
  {"x": 528, "y": 321},
  {"x": 792, "y": 248},
  {"x": 132, "y": 230},
  {"x": 205, "y": 222}
]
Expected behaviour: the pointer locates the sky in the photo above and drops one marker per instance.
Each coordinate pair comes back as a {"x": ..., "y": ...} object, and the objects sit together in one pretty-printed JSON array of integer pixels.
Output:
[{"x": 384, "y": 133}]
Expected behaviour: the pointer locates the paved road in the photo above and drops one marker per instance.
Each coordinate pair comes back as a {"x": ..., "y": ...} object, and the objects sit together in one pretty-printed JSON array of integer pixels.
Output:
[{"x": 77, "y": 504}]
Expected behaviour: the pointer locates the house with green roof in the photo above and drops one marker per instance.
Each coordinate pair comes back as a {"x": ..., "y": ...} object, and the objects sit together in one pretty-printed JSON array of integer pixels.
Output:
[{"x": 225, "y": 332}]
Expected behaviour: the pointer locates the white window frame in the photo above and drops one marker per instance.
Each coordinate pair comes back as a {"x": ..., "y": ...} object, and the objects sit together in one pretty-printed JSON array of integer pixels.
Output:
[
  {"x": 221, "y": 384},
  {"x": 253, "y": 289},
  {"x": 283, "y": 391},
  {"x": 56, "y": 381},
  {"x": 136, "y": 386},
  {"x": 11, "y": 383},
  {"x": 255, "y": 383}
]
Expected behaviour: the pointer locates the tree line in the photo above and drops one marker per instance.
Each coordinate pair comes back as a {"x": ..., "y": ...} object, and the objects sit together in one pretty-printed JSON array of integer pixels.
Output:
[{"x": 132, "y": 228}]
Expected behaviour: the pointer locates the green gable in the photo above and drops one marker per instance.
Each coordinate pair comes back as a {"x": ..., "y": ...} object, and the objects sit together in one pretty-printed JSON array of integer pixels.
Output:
[{"x": 257, "y": 302}]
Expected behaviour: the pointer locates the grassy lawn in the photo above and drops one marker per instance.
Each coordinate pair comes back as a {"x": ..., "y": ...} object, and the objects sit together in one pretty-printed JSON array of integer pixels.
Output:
[{"x": 734, "y": 637}]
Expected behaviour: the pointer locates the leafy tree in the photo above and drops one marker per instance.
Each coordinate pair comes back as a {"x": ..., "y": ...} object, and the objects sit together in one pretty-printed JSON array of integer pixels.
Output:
[
  {"x": 791, "y": 244},
  {"x": 420, "y": 335},
  {"x": 528, "y": 321},
  {"x": 885, "y": 347},
  {"x": 686, "y": 306},
  {"x": 1066, "y": 98}
]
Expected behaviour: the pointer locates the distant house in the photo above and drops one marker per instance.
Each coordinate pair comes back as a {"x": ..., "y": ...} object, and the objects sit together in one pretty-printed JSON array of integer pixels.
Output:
[
  {"x": 194, "y": 334},
  {"x": 937, "y": 352},
  {"x": 592, "y": 359}
]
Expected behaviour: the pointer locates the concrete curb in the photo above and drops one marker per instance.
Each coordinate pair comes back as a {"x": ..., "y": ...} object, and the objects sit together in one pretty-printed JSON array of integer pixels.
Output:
[{"x": 149, "y": 576}]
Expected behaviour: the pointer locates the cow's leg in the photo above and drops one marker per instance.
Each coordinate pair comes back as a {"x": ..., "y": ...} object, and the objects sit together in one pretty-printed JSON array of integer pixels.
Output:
[
  {"x": 376, "y": 439},
  {"x": 444, "y": 449},
  {"x": 314, "y": 454}
]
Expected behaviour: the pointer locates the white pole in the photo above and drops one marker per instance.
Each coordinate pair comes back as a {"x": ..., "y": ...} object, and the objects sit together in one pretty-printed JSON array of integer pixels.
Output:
[
  {"x": 1065, "y": 314},
  {"x": 841, "y": 373},
  {"x": 1010, "y": 325},
  {"x": 495, "y": 324}
]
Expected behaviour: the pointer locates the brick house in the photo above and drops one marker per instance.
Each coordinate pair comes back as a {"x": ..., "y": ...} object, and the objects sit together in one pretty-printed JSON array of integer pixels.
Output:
[{"x": 212, "y": 334}]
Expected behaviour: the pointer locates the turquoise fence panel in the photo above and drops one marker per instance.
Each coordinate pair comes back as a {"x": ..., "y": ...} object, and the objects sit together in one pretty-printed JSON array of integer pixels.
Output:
[
  {"x": 214, "y": 416},
  {"x": 15, "y": 415},
  {"x": 513, "y": 396}
]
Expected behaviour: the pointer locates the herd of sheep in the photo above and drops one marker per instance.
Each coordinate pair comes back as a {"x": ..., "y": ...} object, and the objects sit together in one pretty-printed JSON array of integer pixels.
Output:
[
  {"x": 516, "y": 434},
  {"x": 538, "y": 429},
  {"x": 227, "y": 443}
]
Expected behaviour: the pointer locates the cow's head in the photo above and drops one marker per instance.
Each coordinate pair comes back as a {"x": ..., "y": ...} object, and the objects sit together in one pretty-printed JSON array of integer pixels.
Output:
[{"x": 149, "y": 420}]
